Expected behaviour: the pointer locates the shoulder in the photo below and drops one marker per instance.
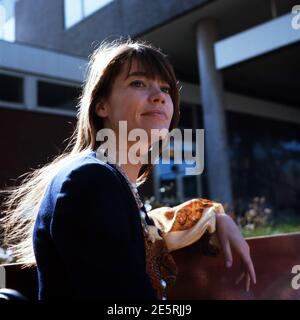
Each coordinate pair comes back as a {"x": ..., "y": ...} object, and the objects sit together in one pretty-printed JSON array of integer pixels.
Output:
[
  {"x": 85, "y": 170},
  {"x": 80, "y": 181}
]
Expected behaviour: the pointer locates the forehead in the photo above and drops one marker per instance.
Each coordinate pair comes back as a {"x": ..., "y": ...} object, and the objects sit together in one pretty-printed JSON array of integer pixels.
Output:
[{"x": 140, "y": 67}]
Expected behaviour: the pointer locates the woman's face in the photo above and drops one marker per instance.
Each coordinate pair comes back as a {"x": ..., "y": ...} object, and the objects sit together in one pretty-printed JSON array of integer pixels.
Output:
[{"x": 144, "y": 103}]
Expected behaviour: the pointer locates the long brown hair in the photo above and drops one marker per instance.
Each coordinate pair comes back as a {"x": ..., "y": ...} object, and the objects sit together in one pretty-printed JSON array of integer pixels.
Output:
[{"x": 22, "y": 203}]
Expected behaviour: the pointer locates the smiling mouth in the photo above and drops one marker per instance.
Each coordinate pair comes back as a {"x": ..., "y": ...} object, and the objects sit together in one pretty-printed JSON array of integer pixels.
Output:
[{"x": 156, "y": 114}]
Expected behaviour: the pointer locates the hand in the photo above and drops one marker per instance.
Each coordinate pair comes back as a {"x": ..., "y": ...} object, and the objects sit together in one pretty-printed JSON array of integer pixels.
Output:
[{"x": 229, "y": 237}]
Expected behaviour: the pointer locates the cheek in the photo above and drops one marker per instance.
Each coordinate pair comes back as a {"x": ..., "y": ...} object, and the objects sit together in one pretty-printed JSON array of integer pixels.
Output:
[
  {"x": 133, "y": 103},
  {"x": 170, "y": 109},
  {"x": 121, "y": 109}
]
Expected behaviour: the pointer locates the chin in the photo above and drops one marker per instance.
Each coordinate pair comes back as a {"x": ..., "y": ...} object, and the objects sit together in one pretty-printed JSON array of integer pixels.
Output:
[
  {"x": 155, "y": 125},
  {"x": 155, "y": 128}
]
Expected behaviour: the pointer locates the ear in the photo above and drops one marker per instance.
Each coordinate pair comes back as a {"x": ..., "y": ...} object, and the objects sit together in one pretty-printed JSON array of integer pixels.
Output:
[{"x": 102, "y": 109}]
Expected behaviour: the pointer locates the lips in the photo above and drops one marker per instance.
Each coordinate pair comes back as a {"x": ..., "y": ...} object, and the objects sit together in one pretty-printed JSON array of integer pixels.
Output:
[{"x": 155, "y": 113}]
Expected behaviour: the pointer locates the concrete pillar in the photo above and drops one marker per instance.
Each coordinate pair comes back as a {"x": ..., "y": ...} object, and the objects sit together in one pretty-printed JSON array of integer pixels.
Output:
[{"x": 216, "y": 149}]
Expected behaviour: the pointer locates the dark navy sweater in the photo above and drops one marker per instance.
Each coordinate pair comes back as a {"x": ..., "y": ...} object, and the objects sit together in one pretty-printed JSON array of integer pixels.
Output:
[{"x": 88, "y": 239}]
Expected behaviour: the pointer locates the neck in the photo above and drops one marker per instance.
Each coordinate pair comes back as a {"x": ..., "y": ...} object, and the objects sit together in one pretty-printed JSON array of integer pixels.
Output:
[{"x": 132, "y": 171}]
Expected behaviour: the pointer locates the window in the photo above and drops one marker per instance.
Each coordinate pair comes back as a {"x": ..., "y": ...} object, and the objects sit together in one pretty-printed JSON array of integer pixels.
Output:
[
  {"x": 57, "y": 96},
  {"x": 90, "y": 6},
  {"x": 7, "y": 20},
  {"x": 77, "y": 10},
  {"x": 175, "y": 185},
  {"x": 190, "y": 118},
  {"x": 11, "y": 88},
  {"x": 186, "y": 117},
  {"x": 265, "y": 163},
  {"x": 73, "y": 12},
  {"x": 190, "y": 187}
]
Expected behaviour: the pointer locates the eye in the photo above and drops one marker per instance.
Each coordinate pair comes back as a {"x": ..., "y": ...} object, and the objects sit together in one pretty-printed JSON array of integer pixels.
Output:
[
  {"x": 137, "y": 83},
  {"x": 165, "y": 90}
]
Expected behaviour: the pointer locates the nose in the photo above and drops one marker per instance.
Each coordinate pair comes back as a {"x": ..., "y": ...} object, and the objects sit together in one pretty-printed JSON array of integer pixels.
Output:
[{"x": 157, "y": 96}]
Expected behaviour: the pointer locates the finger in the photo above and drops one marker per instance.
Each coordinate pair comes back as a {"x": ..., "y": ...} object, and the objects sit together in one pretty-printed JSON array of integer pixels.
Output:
[
  {"x": 227, "y": 253},
  {"x": 252, "y": 271},
  {"x": 248, "y": 279},
  {"x": 239, "y": 278},
  {"x": 244, "y": 252},
  {"x": 242, "y": 248},
  {"x": 249, "y": 266}
]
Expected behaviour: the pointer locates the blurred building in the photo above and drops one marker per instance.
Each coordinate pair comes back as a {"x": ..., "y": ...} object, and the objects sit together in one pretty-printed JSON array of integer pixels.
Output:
[{"x": 237, "y": 61}]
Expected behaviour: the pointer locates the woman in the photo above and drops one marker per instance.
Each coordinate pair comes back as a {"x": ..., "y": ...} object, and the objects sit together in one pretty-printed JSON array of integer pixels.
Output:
[{"x": 80, "y": 218}]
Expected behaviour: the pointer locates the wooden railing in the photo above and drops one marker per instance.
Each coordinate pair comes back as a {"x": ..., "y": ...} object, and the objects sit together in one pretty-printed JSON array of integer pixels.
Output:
[{"x": 207, "y": 277}]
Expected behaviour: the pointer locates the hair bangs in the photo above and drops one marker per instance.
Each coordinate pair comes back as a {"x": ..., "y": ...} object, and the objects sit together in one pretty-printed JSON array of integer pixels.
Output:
[{"x": 154, "y": 64}]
